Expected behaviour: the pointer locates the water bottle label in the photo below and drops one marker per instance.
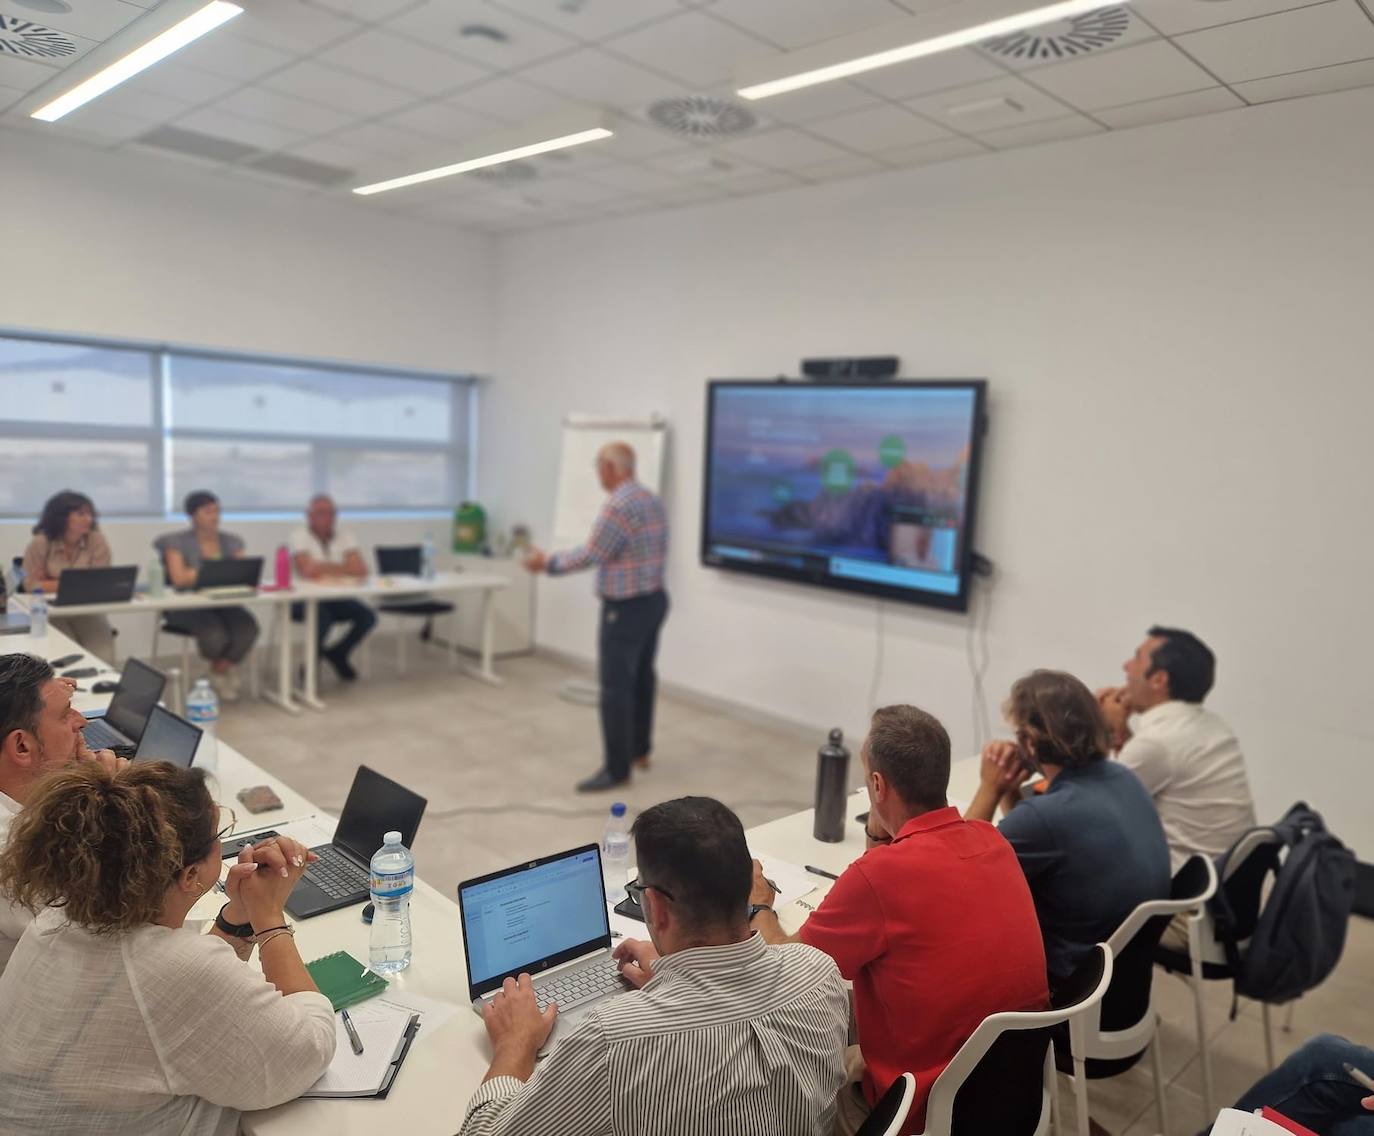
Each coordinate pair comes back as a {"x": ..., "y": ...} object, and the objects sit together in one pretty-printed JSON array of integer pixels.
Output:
[{"x": 393, "y": 885}]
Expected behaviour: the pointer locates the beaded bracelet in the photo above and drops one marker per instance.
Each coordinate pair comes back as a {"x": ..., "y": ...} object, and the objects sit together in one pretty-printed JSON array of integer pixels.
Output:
[{"x": 276, "y": 933}]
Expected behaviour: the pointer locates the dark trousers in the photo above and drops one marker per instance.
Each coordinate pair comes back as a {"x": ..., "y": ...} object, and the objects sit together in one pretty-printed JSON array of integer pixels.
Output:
[
  {"x": 360, "y": 619},
  {"x": 221, "y": 632},
  {"x": 1312, "y": 1088},
  {"x": 628, "y": 644}
]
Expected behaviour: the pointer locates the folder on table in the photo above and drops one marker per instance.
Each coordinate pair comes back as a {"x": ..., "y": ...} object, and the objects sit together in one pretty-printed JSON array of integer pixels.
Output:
[
  {"x": 344, "y": 980},
  {"x": 386, "y": 1031}
]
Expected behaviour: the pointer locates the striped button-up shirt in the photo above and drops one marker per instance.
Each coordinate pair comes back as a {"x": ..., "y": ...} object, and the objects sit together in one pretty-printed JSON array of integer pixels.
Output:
[
  {"x": 745, "y": 1038},
  {"x": 628, "y": 545}
]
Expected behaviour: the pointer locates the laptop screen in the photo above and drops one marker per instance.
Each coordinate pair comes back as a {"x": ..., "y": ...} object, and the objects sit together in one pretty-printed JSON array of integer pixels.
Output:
[
  {"x": 533, "y": 917},
  {"x": 139, "y": 689},
  {"x": 377, "y": 805},
  {"x": 168, "y": 738}
]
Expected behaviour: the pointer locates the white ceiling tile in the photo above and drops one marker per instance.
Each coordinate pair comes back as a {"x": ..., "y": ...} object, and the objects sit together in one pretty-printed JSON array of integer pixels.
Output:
[
  {"x": 1175, "y": 16},
  {"x": 704, "y": 165},
  {"x": 783, "y": 148},
  {"x": 292, "y": 26},
  {"x": 401, "y": 147},
  {"x": 333, "y": 153},
  {"x": 799, "y": 23},
  {"x": 284, "y": 111},
  {"x": 182, "y": 81},
  {"x": 25, "y": 74},
  {"x": 692, "y": 47},
  {"x": 768, "y": 182},
  {"x": 572, "y": 191},
  {"x": 233, "y": 57},
  {"x": 447, "y": 120},
  {"x": 1094, "y": 33},
  {"x": 591, "y": 21},
  {"x": 403, "y": 63},
  {"x": 150, "y": 106},
  {"x": 933, "y": 73},
  {"x": 634, "y": 178},
  {"x": 593, "y": 76},
  {"x": 1146, "y": 71},
  {"x": 883, "y": 127},
  {"x": 1166, "y": 109},
  {"x": 632, "y": 140},
  {"x": 370, "y": 10},
  {"x": 1031, "y": 105},
  {"x": 509, "y": 100},
  {"x": 1318, "y": 36},
  {"x": 931, "y": 152},
  {"x": 342, "y": 89},
  {"x": 245, "y": 130},
  {"x": 9, "y": 96},
  {"x": 810, "y": 103},
  {"x": 98, "y": 121},
  {"x": 1341, "y": 77},
  {"x": 1054, "y": 130},
  {"x": 688, "y": 195},
  {"x": 439, "y": 23},
  {"x": 95, "y": 20},
  {"x": 841, "y": 169}
]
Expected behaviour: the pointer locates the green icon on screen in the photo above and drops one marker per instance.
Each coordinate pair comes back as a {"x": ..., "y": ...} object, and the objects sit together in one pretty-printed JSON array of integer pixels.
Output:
[
  {"x": 837, "y": 471},
  {"x": 891, "y": 451}
]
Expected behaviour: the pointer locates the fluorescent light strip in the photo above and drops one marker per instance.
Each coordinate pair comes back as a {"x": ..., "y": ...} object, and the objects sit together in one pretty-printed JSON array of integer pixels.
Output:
[
  {"x": 932, "y": 46},
  {"x": 490, "y": 160},
  {"x": 204, "y": 20}
]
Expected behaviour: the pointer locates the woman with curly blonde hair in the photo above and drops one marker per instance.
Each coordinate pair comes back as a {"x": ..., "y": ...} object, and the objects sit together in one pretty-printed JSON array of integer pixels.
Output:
[{"x": 118, "y": 1019}]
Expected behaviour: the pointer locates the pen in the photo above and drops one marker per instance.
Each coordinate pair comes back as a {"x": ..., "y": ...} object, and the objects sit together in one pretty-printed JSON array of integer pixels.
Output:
[
  {"x": 821, "y": 872},
  {"x": 776, "y": 890},
  {"x": 353, "y": 1039},
  {"x": 1362, "y": 1079}
]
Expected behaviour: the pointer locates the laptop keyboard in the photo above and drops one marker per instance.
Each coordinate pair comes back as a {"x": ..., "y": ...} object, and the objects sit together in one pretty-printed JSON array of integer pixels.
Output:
[
  {"x": 335, "y": 874},
  {"x": 99, "y": 735},
  {"x": 569, "y": 987}
]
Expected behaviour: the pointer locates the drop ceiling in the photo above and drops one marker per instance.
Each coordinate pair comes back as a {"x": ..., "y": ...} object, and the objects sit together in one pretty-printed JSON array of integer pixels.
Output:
[{"x": 323, "y": 95}]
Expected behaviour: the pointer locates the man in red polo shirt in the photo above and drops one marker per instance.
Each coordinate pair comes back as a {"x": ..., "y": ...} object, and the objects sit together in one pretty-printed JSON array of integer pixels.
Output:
[{"x": 934, "y": 924}]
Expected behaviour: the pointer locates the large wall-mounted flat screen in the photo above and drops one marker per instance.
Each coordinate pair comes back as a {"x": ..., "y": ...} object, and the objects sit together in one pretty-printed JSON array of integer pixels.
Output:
[{"x": 867, "y": 488}]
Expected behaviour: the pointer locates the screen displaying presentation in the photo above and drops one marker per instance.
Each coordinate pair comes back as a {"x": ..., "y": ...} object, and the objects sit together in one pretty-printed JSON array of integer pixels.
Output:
[{"x": 868, "y": 488}]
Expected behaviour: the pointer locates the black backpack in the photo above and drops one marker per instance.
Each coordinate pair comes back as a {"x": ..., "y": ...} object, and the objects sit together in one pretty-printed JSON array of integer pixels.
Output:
[{"x": 1300, "y": 932}]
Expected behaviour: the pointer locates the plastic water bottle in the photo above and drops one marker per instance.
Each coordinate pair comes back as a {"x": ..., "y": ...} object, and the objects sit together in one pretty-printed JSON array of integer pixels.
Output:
[
  {"x": 615, "y": 854},
  {"x": 38, "y": 614},
  {"x": 202, "y": 709},
  {"x": 393, "y": 878},
  {"x": 427, "y": 557},
  {"x": 157, "y": 578}
]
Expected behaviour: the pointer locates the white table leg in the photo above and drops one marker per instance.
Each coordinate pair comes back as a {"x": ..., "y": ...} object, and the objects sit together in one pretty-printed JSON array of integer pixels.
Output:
[
  {"x": 282, "y": 695},
  {"x": 310, "y": 695},
  {"x": 485, "y": 671}
]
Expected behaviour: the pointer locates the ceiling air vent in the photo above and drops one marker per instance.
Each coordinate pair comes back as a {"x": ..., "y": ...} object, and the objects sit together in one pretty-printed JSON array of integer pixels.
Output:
[
  {"x": 197, "y": 145},
  {"x": 301, "y": 169},
  {"x": 507, "y": 173},
  {"x": 28, "y": 40},
  {"x": 702, "y": 116},
  {"x": 1064, "y": 39}
]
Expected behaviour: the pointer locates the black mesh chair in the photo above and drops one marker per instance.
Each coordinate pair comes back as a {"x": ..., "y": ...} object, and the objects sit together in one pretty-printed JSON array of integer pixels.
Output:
[
  {"x": 408, "y": 560},
  {"x": 890, "y": 1113}
]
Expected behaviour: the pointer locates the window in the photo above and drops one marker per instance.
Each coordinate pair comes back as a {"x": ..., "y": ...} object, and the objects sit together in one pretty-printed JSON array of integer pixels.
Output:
[{"x": 138, "y": 427}]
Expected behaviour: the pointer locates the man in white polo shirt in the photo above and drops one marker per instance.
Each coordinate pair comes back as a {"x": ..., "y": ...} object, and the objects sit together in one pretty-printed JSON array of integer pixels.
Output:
[
  {"x": 1185, "y": 755},
  {"x": 321, "y": 551}
]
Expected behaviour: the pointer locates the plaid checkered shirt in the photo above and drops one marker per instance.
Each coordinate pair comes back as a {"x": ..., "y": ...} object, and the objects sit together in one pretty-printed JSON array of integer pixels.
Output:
[{"x": 628, "y": 545}]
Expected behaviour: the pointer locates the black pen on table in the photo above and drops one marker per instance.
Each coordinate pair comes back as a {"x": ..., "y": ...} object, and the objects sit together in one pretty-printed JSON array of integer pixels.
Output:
[
  {"x": 821, "y": 872},
  {"x": 353, "y": 1039}
]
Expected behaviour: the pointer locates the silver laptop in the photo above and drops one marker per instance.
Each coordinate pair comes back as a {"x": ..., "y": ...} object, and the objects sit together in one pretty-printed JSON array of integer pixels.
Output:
[
  {"x": 167, "y": 737},
  {"x": 546, "y": 917},
  {"x": 120, "y": 725}
]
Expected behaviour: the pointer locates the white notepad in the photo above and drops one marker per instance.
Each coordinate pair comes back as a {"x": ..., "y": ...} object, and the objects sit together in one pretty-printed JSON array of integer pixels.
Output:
[
  {"x": 384, "y": 1028},
  {"x": 1233, "y": 1122}
]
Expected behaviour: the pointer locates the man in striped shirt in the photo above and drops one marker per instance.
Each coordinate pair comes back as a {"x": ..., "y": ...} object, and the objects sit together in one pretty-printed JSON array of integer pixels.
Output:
[
  {"x": 628, "y": 545},
  {"x": 725, "y": 1033}
]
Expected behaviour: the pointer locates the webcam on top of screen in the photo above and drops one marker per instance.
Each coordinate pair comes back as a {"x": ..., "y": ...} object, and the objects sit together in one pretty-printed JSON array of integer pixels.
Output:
[{"x": 853, "y": 368}]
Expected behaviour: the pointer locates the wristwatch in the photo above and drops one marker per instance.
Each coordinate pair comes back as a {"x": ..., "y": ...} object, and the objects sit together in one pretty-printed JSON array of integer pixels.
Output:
[
  {"x": 233, "y": 930},
  {"x": 755, "y": 908}
]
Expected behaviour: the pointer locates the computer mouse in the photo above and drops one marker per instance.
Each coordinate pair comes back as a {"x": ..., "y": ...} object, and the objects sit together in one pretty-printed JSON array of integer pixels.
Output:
[
  {"x": 104, "y": 687},
  {"x": 368, "y": 912}
]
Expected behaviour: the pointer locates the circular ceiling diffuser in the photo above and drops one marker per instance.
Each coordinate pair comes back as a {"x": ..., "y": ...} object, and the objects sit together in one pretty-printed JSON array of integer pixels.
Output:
[
  {"x": 32, "y": 41},
  {"x": 702, "y": 116},
  {"x": 507, "y": 173},
  {"x": 1064, "y": 39}
]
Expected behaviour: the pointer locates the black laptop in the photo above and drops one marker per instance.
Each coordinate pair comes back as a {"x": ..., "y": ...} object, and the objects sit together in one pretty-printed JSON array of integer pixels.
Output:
[
  {"x": 232, "y": 576},
  {"x": 168, "y": 737},
  {"x": 120, "y": 725},
  {"x": 95, "y": 585},
  {"x": 341, "y": 876}
]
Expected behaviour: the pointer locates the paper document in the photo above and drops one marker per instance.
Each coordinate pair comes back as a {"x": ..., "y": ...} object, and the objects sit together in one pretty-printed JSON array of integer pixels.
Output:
[
  {"x": 382, "y": 1027},
  {"x": 1234, "y": 1122},
  {"x": 793, "y": 882}
]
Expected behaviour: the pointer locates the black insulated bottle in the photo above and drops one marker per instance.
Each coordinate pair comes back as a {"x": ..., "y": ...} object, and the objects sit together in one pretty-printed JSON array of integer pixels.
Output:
[{"x": 832, "y": 788}]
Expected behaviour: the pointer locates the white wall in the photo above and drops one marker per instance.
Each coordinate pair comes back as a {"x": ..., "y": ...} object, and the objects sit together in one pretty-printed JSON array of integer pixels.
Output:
[{"x": 1176, "y": 325}]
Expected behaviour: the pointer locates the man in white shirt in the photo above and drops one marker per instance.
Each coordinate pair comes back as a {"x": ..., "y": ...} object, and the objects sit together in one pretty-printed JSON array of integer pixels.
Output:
[
  {"x": 323, "y": 552},
  {"x": 1186, "y": 756},
  {"x": 39, "y": 732}
]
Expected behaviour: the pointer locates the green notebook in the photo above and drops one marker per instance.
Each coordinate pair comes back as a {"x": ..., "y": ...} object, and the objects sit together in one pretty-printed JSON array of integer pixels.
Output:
[{"x": 344, "y": 980}]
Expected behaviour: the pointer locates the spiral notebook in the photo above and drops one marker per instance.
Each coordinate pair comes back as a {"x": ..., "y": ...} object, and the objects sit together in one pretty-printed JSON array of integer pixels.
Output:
[
  {"x": 386, "y": 1031},
  {"x": 344, "y": 980}
]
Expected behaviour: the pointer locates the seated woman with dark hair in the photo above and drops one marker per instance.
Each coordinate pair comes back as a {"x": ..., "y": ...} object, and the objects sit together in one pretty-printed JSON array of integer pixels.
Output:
[
  {"x": 68, "y": 535},
  {"x": 119, "y": 1020},
  {"x": 1091, "y": 844},
  {"x": 224, "y": 635}
]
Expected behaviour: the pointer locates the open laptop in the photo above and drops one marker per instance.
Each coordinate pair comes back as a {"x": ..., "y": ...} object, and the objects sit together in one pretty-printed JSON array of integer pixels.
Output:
[
  {"x": 341, "y": 876},
  {"x": 168, "y": 738},
  {"x": 120, "y": 725},
  {"x": 546, "y": 917},
  {"x": 95, "y": 585},
  {"x": 229, "y": 578}
]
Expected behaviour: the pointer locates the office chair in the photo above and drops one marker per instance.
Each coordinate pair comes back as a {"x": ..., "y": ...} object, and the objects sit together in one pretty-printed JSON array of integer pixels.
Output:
[
  {"x": 408, "y": 560},
  {"x": 890, "y": 1113}
]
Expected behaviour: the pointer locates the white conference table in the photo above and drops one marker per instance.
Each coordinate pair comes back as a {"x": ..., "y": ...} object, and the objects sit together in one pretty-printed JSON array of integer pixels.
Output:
[
  {"x": 446, "y": 1063},
  {"x": 310, "y": 594}
]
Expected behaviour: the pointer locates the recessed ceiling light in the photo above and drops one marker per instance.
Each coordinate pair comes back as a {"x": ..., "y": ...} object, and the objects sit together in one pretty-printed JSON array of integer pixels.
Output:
[
  {"x": 51, "y": 7},
  {"x": 941, "y": 29},
  {"x": 205, "y": 18}
]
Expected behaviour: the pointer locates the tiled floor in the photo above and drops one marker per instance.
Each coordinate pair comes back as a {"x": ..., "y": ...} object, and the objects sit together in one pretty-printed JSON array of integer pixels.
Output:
[{"x": 498, "y": 764}]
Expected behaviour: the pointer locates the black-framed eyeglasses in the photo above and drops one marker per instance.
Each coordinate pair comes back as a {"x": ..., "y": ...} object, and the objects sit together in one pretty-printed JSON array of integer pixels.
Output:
[
  {"x": 636, "y": 891},
  {"x": 228, "y": 820}
]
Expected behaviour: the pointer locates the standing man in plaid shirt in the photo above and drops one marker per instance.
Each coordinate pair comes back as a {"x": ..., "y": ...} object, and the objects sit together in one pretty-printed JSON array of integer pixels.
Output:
[{"x": 628, "y": 545}]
